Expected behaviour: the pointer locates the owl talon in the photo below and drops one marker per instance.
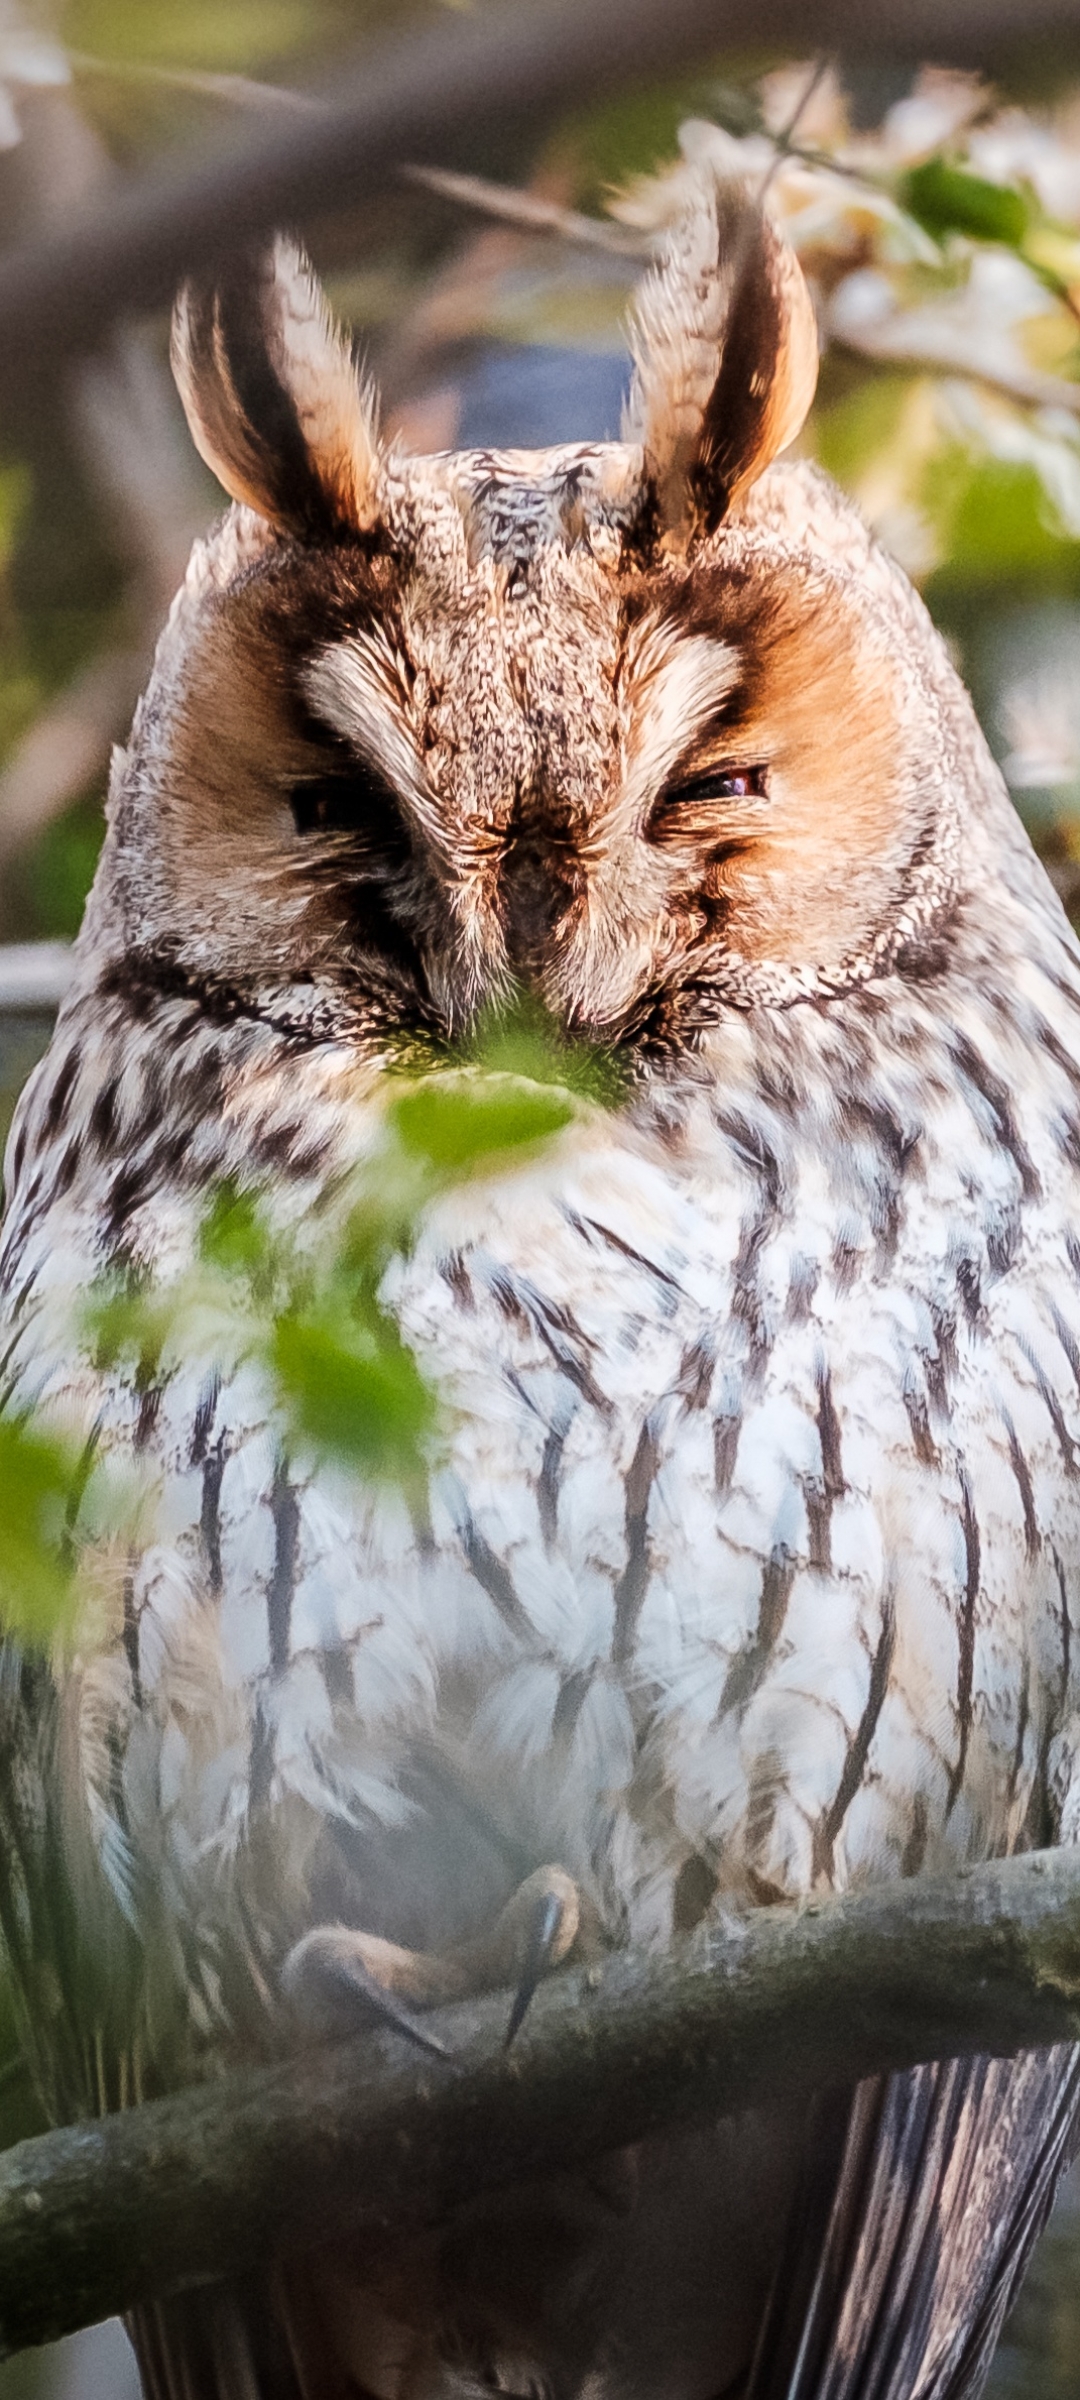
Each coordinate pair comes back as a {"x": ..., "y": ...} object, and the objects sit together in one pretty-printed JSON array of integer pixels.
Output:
[
  {"x": 337, "y": 1976},
  {"x": 541, "y": 1952},
  {"x": 329, "y": 1982}
]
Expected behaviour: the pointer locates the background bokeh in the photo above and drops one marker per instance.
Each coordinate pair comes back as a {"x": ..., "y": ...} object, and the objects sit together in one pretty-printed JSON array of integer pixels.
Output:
[{"x": 939, "y": 223}]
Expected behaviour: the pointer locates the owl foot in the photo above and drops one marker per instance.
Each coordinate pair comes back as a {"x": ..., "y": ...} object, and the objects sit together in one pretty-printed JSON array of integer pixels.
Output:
[{"x": 335, "y": 1976}]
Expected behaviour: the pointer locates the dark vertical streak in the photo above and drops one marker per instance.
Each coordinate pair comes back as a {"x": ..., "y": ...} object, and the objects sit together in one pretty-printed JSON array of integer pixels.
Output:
[
  {"x": 696, "y": 1886},
  {"x": 150, "y": 1395},
  {"x": 547, "y": 1489},
  {"x": 725, "y": 1446},
  {"x": 802, "y": 1286},
  {"x": 939, "y": 1364},
  {"x": 918, "y": 1417},
  {"x": 997, "y": 1100},
  {"x": 495, "y": 1579},
  {"x": 696, "y": 1369},
  {"x": 821, "y": 1495},
  {"x": 57, "y": 1105},
  {"x": 1052, "y": 1405},
  {"x": 213, "y": 1472},
  {"x": 1068, "y": 1343},
  {"x": 915, "y": 1847},
  {"x": 204, "y": 1418},
  {"x": 260, "y": 1763},
  {"x": 131, "y": 1637},
  {"x": 630, "y": 1588},
  {"x": 1066, "y": 1635},
  {"x": 832, "y": 1463},
  {"x": 337, "y": 1674},
  {"x": 1047, "y": 1829},
  {"x": 966, "y": 1637},
  {"x": 285, "y": 1512},
  {"x": 1021, "y": 1471},
  {"x": 858, "y": 1749},
  {"x": 1023, "y": 1717},
  {"x": 746, "y": 1671},
  {"x": 573, "y": 1693}
]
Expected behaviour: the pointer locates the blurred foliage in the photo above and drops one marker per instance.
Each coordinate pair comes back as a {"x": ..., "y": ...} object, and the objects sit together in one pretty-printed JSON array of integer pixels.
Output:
[{"x": 303, "y": 1307}]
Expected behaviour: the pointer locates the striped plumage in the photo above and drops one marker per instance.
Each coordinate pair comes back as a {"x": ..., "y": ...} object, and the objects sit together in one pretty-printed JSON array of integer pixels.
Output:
[{"x": 752, "y": 1565}]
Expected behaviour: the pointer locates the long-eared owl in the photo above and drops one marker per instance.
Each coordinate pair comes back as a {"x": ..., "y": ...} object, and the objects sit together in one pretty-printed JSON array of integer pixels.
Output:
[{"x": 749, "y": 1565}]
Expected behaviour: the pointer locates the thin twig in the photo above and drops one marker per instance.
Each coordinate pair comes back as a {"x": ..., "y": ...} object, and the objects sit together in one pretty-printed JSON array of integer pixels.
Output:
[
  {"x": 361, "y": 2136},
  {"x": 887, "y": 348},
  {"x": 233, "y": 91},
  {"x": 530, "y": 213}
]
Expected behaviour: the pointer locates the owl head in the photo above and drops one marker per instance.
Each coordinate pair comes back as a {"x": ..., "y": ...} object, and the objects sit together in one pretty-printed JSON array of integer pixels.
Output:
[{"x": 648, "y": 726}]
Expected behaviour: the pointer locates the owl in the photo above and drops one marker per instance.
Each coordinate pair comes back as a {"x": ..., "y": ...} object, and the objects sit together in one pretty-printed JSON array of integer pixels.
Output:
[{"x": 750, "y": 1567}]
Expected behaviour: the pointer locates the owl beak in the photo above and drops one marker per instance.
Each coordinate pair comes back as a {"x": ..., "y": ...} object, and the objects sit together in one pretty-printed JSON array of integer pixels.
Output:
[{"x": 539, "y": 883}]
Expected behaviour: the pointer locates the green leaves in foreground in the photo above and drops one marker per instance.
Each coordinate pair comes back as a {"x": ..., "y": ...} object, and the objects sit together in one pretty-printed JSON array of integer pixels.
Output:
[
  {"x": 950, "y": 199},
  {"x": 353, "y": 1391},
  {"x": 301, "y": 1305},
  {"x": 41, "y": 1483},
  {"x": 455, "y": 1124},
  {"x": 305, "y": 1305}
]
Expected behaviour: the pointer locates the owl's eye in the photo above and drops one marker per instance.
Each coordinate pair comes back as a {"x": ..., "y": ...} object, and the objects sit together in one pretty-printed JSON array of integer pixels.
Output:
[
  {"x": 355, "y": 799},
  {"x": 686, "y": 810},
  {"x": 719, "y": 783}
]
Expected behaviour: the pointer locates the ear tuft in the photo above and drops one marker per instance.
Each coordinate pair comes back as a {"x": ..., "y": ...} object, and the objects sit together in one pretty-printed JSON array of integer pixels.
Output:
[
  {"x": 725, "y": 355},
  {"x": 273, "y": 396}
]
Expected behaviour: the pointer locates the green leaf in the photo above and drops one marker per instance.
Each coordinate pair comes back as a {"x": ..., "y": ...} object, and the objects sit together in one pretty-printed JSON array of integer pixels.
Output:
[
  {"x": 127, "y": 1322},
  {"x": 949, "y": 199},
  {"x": 356, "y": 1394},
  {"x": 459, "y": 1121},
  {"x": 41, "y": 1481},
  {"x": 234, "y": 1238},
  {"x": 992, "y": 517}
]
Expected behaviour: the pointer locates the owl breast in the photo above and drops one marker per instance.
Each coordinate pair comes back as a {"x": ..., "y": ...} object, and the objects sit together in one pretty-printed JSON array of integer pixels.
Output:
[{"x": 747, "y": 1566}]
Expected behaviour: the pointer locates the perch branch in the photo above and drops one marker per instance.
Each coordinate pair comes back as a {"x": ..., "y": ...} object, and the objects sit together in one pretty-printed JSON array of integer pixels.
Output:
[
  {"x": 363, "y": 2135},
  {"x": 412, "y": 97}
]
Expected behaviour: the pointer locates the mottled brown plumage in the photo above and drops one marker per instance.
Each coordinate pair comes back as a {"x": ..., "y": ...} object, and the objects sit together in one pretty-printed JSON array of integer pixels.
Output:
[{"x": 753, "y": 1565}]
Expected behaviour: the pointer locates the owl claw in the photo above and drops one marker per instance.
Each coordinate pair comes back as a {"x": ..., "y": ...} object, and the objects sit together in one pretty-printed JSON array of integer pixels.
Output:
[
  {"x": 327, "y": 1975},
  {"x": 542, "y": 1951},
  {"x": 337, "y": 1975}
]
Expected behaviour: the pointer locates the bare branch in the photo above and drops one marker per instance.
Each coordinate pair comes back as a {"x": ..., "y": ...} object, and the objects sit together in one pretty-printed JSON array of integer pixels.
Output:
[
  {"x": 362, "y": 2135},
  {"x": 888, "y": 345},
  {"x": 531, "y": 213},
  {"x": 233, "y": 91},
  {"x": 408, "y": 100}
]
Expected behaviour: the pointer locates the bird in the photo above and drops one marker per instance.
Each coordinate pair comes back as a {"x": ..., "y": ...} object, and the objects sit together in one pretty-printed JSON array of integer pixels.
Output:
[{"x": 748, "y": 1570}]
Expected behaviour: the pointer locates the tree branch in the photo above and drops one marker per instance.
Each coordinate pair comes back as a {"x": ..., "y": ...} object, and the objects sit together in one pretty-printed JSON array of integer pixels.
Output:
[
  {"x": 412, "y": 98},
  {"x": 362, "y": 2135}
]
